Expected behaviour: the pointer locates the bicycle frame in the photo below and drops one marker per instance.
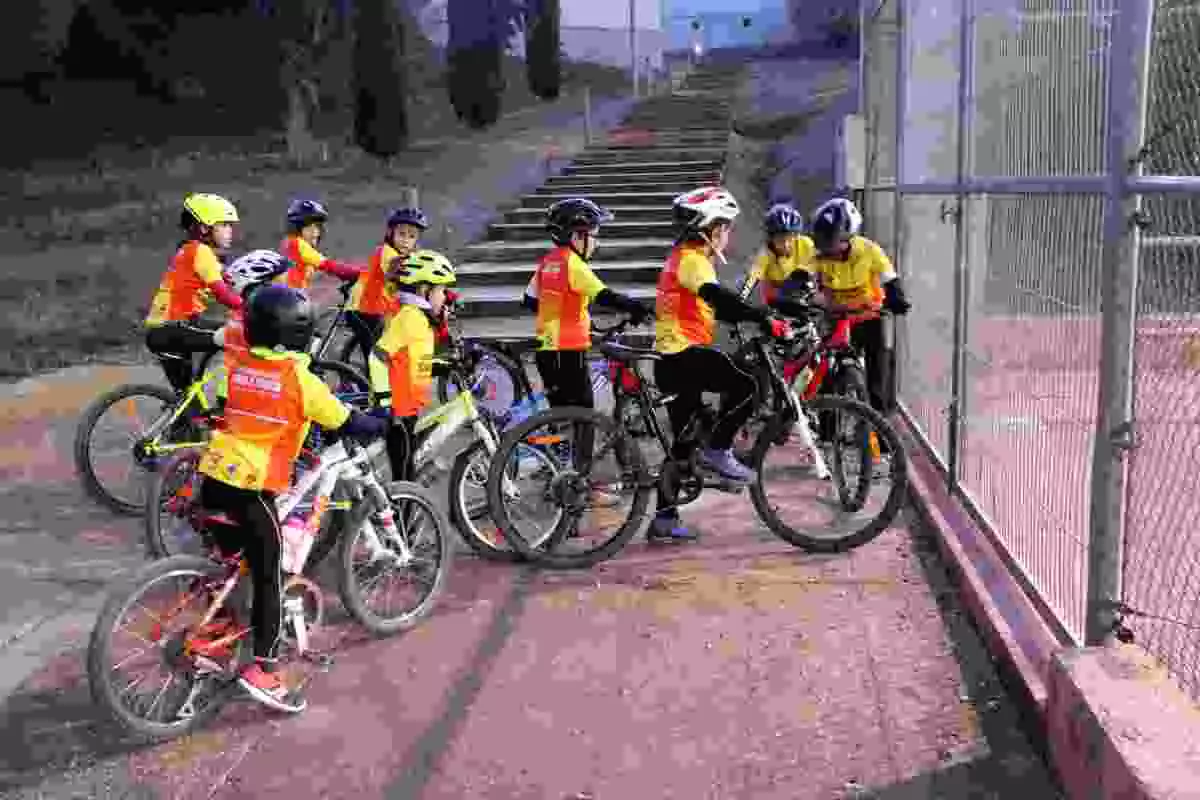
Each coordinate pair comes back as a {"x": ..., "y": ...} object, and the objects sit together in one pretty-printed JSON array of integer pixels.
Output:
[
  {"x": 195, "y": 394},
  {"x": 320, "y": 342}
]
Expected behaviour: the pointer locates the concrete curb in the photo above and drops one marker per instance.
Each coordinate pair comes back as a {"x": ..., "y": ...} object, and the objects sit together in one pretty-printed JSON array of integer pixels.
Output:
[{"x": 1110, "y": 721}]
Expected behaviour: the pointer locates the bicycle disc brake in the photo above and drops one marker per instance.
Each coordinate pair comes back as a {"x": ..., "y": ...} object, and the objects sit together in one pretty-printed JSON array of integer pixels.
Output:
[{"x": 680, "y": 483}]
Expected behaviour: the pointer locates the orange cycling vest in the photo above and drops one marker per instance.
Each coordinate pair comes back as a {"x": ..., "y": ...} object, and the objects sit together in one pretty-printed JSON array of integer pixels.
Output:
[
  {"x": 369, "y": 295},
  {"x": 565, "y": 287}
]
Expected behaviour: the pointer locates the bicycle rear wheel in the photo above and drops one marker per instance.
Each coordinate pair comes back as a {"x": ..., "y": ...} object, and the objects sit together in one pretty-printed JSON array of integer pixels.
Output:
[
  {"x": 580, "y": 521},
  {"x": 502, "y": 381},
  {"x": 120, "y": 483},
  {"x": 834, "y": 515},
  {"x": 188, "y": 697}
]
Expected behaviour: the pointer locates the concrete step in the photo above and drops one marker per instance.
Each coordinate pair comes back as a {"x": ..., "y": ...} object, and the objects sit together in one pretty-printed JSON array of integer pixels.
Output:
[
  {"x": 645, "y": 199},
  {"x": 588, "y": 188},
  {"x": 528, "y": 252},
  {"x": 484, "y": 273},
  {"x": 597, "y": 156},
  {"x": 536, "y": 213},
  {"x": 505, "y": 300},
  {"x": 709, "y": 175},
  {"x": 642, "y": 166},
  {"x": 612, "y": 231}
]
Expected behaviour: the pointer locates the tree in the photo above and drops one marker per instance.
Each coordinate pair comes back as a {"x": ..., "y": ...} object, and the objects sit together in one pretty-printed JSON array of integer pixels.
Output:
[
  {"x": 543, "y": 46},
  {"x": 302, "y": 29},
  {"x": 474, "y": 58},
  {"x": 379, "y": 80}
]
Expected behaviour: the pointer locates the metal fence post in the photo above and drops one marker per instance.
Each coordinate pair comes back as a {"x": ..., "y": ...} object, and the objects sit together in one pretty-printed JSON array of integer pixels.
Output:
[
  {"x": 587, "y": 115},
  {"x": 900, "y": 338},
  {"x": 958, "y": 373},
  {"x": 1131, "y": 30}
]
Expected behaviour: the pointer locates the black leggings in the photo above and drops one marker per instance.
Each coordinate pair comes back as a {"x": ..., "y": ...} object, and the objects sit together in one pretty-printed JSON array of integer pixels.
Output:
[
  {"x": 568, "y": 382},
  {"x": 258, "y": 537},
  {"x": 367, "y": 330},
  {"x": 401, "y": 447},
  {"x": 868, "y": 337},
  {"x": 175, "y": 343},
  {"x": 687, "y": 375}
]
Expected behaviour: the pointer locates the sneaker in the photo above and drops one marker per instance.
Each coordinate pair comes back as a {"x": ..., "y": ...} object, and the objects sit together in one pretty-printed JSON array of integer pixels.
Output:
[
  {"x": 724, "y": 464},
  {"x": 669, "y": 528},
  {"x": 270, "y": 690}
]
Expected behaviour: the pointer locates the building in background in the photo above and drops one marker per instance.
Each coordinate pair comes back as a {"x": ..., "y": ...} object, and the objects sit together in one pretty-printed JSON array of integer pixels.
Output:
[{"x": 592, "y": 31}]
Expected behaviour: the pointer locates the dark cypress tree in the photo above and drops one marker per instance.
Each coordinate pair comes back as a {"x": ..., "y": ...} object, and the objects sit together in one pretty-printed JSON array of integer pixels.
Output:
[
  {"x": 543, "y": 64},
  {"x": 379, "y": 80},
  {"x": 474, "y": 59}
]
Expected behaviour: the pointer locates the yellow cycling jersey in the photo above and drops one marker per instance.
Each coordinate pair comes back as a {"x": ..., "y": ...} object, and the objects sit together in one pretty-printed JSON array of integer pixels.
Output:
[
  {"x": 305, "y": 260},
  {"x": 859, "y": 277},
  {"x": 273, "y": 399},
  {"x": 564, "y": 286},
  {"x": 771, "y": 270},
  {"x": 183, "y": 292},
  {"x": 682, "y": 319},
  {"x": 402, "y": 361}
]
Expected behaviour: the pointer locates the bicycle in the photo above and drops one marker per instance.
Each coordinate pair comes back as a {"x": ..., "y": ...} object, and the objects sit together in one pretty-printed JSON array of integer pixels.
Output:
[
  {"x": 172, "y": 488},
  {"x": 386, "y": 528},
  {"x": 178, "y": 422},
  {"x": 570, "y": 490}
]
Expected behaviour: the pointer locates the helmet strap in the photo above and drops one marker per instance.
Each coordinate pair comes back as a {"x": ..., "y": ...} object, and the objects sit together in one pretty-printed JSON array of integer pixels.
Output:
[{"x": 711, "y": 246}]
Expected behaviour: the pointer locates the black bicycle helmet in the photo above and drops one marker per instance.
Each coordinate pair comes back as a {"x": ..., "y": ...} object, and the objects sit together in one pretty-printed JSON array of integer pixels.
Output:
[
  {"x": 408, "y": 216},
  {"x": 574, "y": 214},
  {"x": 782, "y": 218},
  {"x": 280, "y": 317},
  {"x": 303, "y": 211}
]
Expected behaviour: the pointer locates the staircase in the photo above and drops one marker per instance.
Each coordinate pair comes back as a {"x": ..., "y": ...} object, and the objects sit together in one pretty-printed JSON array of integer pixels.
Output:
[{"x": 665, "y": 146}]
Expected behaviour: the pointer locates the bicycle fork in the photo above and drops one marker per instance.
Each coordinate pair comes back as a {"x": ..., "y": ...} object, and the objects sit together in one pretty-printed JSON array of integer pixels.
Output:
[{"x": 803, "y": 429}]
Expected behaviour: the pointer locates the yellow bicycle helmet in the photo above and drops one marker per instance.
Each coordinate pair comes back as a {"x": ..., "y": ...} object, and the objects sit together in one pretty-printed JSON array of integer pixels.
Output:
[
  {"x": 423, "y": 266},
  {"x": 210, "y": 209}
]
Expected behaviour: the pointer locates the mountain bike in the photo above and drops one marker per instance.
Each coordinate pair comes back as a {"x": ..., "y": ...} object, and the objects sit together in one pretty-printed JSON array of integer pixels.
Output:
[
  {"x": 622, "y": 469},
  {"x": 170, "y": 423},
  {"x": 395, "y": 529},
  {"x": 172, "y": 489}
]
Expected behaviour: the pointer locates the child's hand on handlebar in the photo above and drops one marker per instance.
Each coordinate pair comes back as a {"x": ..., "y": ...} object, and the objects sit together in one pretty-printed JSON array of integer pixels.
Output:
[{"x": 778, "y": 328}]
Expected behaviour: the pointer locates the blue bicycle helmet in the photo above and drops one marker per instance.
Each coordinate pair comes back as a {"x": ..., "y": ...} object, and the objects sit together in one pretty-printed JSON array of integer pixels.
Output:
[
  {"x": 782, "y": 218},
  {"x": 408, "y": 216},
  {"x": 303, "y": 211}
]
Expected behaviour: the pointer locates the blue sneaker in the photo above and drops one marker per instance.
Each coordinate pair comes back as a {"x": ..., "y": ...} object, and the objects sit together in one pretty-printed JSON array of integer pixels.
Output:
[
  {"x": 669, "y": 528},
  {"x": 724, "y": 464}
]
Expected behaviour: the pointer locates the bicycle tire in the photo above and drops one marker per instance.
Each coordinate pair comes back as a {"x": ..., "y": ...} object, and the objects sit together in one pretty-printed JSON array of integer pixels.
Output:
[
  {"x": 460, "y": 517},
  {"x": 511, "y": 366},
  {"x": 100, "y": 647},
  {"x": 348, "y": 590},
  {"x": 84, "y": 468},
  {"x": 778, "y": 431},
  {"x": 628, "y": 454},
  {"x": 155, "y": 540},
  {"x": 349, "y": 375}
]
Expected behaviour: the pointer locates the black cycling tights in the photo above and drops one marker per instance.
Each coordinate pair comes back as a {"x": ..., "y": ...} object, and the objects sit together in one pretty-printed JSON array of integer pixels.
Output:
[
  {"x": 176, "y": 342},
  {"x": 687, "y": 375},
  {"x": 258, "y": 537},
  {"x": 568, "y": 382},
  {"x": 367, "y": 329}
]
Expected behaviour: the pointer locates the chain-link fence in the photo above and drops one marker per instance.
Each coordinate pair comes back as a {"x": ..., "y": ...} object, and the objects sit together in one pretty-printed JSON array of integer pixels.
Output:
[{"x": 1024, "y": 197}]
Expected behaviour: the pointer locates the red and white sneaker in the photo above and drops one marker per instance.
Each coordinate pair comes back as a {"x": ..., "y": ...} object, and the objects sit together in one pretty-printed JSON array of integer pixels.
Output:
[{"x": 270, "y": 690}]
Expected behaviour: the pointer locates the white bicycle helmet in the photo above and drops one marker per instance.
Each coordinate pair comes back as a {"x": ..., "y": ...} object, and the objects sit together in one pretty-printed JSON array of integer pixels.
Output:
[
  {"x": 256, "y": 268},
  {"x": 696, "y": 210}
]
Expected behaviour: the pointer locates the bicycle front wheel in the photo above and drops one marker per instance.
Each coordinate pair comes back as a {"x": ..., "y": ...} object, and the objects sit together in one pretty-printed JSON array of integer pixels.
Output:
[
  {"x": 170, "y": 496},
  {"x": 417, "y": 567},
  {"x": 568, "y": 488},
  {"x": 832, "y": 493},
  {"x": 112, "y": 466},
  {"x": 501, "y": 378},
  {"x": 149, "y": 619}
]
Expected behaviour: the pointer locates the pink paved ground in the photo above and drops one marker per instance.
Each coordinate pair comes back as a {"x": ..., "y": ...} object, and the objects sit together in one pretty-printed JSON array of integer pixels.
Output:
[
  {"x": 737, "y": 668},
  {"x": 1032, "y": 400}
]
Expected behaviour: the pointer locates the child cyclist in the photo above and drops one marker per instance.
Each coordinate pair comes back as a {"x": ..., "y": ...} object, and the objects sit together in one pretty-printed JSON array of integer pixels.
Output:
[
  {"x": 255, "y": 269},
  {"x": 402, "y": 360},
  {"x": 854, "y": 272},
  {"x": 273, "y": 399},
  {"x": 174, "y": 330},
  {"x": 369, "y": 302},
  {"x": 560, "y": 292},
  {"x": 306, "y": 220},
  {"x": 689, "y": 301},
  {"x": 781, "y": 267}
]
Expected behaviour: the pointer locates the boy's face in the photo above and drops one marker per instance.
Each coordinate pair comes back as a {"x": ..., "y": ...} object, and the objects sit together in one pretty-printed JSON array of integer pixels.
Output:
[
  {"x": 586, "y": 242},
  {"x": 312, "y": 233},
  {"x": 437, "y": 298},
  {"x": 718, "y": 236},
  {"x": 222, "y": 234},
  {"x": 782, "y": 243},
  {"x": 404, "y": 238}
]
